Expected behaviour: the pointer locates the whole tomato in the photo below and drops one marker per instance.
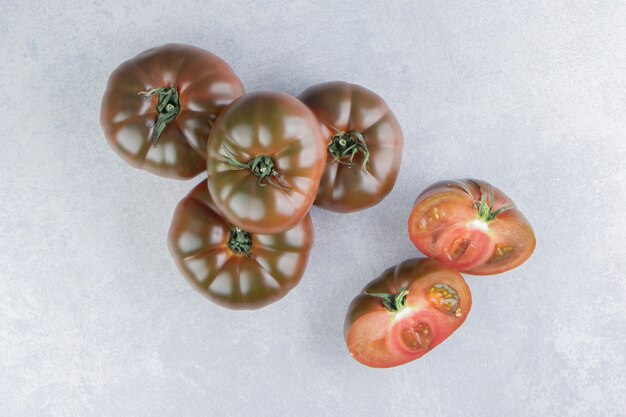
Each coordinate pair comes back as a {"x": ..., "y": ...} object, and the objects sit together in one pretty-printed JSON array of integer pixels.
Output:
[
  {"x": 159, "y": 106},
  {"x": 232, "y": 267},
  {"x": 364, "y": 144},
  {"x": 264, "y": 162},
  {"x": 472, "y": 226},
  {"x": 406, "y": 312}
]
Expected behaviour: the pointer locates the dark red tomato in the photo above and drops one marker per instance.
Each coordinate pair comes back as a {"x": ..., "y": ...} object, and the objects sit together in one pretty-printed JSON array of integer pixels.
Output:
[
  {"x": 472, "y": 226},
  {"x": 364, "y": 144},
  {"x": 265, "y": 160},
  {"x": 406, "y": 312},
  {"x": 159, "y": 106},
  {"x": 230, "y": 266}
]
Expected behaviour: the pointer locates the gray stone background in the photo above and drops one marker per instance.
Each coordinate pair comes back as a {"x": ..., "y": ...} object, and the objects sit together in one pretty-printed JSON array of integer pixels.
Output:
[{"x": 531, "y": 96}]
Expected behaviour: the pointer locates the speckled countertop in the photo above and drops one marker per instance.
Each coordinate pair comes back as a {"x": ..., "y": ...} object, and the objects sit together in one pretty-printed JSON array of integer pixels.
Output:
[{"x": 96, "y": 321}]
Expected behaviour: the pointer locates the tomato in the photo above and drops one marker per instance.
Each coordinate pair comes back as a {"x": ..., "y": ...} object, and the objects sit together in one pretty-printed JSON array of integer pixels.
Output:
[
  {"x": 406, "y": 312},
  {"x": 364, "y": 144},
  {"x": 230, "y": 266},
  {"x": 472, "y": 226},
  {"x": 158, "y": 108},
  {"x": 264, "y": 163}
]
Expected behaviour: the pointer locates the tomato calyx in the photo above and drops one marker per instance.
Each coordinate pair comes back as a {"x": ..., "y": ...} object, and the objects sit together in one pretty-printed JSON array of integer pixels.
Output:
[
  {"x": 484, "y": 206},
  {"x": 392, "y": 302},
  {"x": 168, "y": 107},
  {"x": 240, "y": 241},
  {"x": 347, "y": 145},
  {"x": 262, "y": 166}
]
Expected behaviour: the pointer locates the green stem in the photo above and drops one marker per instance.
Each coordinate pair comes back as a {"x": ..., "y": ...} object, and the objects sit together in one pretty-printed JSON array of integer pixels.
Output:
[
  {"x": 392, "y": 302},
  {"x": 346, "y": 145},
  {"x": 240, "y": 241},
  {"x": 262, "y": 166},
  {"x": 484, "y": 206},
  {"x": 168, "y": 109}
]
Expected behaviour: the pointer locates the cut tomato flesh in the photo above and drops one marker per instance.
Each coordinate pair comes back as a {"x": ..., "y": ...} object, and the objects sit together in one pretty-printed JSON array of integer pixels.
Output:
[
  {"x": 471, "y": 226},
  {"x": 513, "y": 243},
  {"x": 406, "y": 312},
  {"x": 367, "y": 340},
  {"x": 383, "y": 339},
  {"x": 463, "y": 246}
]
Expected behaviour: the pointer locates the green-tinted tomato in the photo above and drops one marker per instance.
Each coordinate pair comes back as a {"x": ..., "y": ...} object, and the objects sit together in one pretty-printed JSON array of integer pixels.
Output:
[
  {"x": 265, "y": 160},
  {"x": 230, "y": 266},
  {"x": 472, "y": 226},
  {"x": 159, "y": 106},
  {"x": 406, "y": 312},
  {"x": 364, "y": 144}
]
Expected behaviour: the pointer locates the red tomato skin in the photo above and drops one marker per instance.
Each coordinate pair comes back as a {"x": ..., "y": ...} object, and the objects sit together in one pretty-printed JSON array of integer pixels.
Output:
[
  {"x": 281, "y": 127},
  {"x": 343, "y": 107},
  {"x": 198, "y": 243},
  {"x": 205, "y": 84},
  {"x": 374, "y": 334},
  {"x": 444, "y": 224}
]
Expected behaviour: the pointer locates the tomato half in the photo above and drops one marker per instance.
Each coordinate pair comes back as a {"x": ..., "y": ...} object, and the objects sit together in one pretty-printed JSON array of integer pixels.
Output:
[
  {"x": 264, "y": 163},
  {"x": 471, "y": 226},
  {"x": 364, "y": 144},
  {"x": 158, "y": 108},
  {"x": 406, "y": 312},
  {"x": 230, "y": 266}
]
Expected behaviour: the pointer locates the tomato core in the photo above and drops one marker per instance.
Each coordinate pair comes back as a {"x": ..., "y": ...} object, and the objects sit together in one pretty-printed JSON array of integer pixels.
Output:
[{"x": 240, "y": 241}]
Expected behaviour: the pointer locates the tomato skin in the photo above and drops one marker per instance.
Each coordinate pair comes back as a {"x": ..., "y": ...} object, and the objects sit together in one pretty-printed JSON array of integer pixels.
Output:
[
  {"x": 445, "y": 224},
  {"x": 280, "y": 127},
  {"x": 377, "y": 337},
  {"x": 344, "y": 107},
  {"x": 206, "y": 85},
  {"x": 198, "y": 243}
]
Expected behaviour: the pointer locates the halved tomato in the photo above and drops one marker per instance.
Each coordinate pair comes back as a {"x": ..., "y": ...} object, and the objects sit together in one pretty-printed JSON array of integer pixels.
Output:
[
  {"x": 230, "y": 266},
  {"x": 472, "y": 226},
  {"x": 406, "y": 312}
]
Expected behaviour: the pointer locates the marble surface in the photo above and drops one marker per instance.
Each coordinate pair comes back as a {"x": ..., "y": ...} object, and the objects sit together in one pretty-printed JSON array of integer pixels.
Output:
[{"x": 96, "y": 321}]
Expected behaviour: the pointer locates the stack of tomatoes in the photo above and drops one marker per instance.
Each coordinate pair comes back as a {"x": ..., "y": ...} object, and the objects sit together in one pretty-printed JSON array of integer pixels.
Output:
[{"x": 242, "y": 236}]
